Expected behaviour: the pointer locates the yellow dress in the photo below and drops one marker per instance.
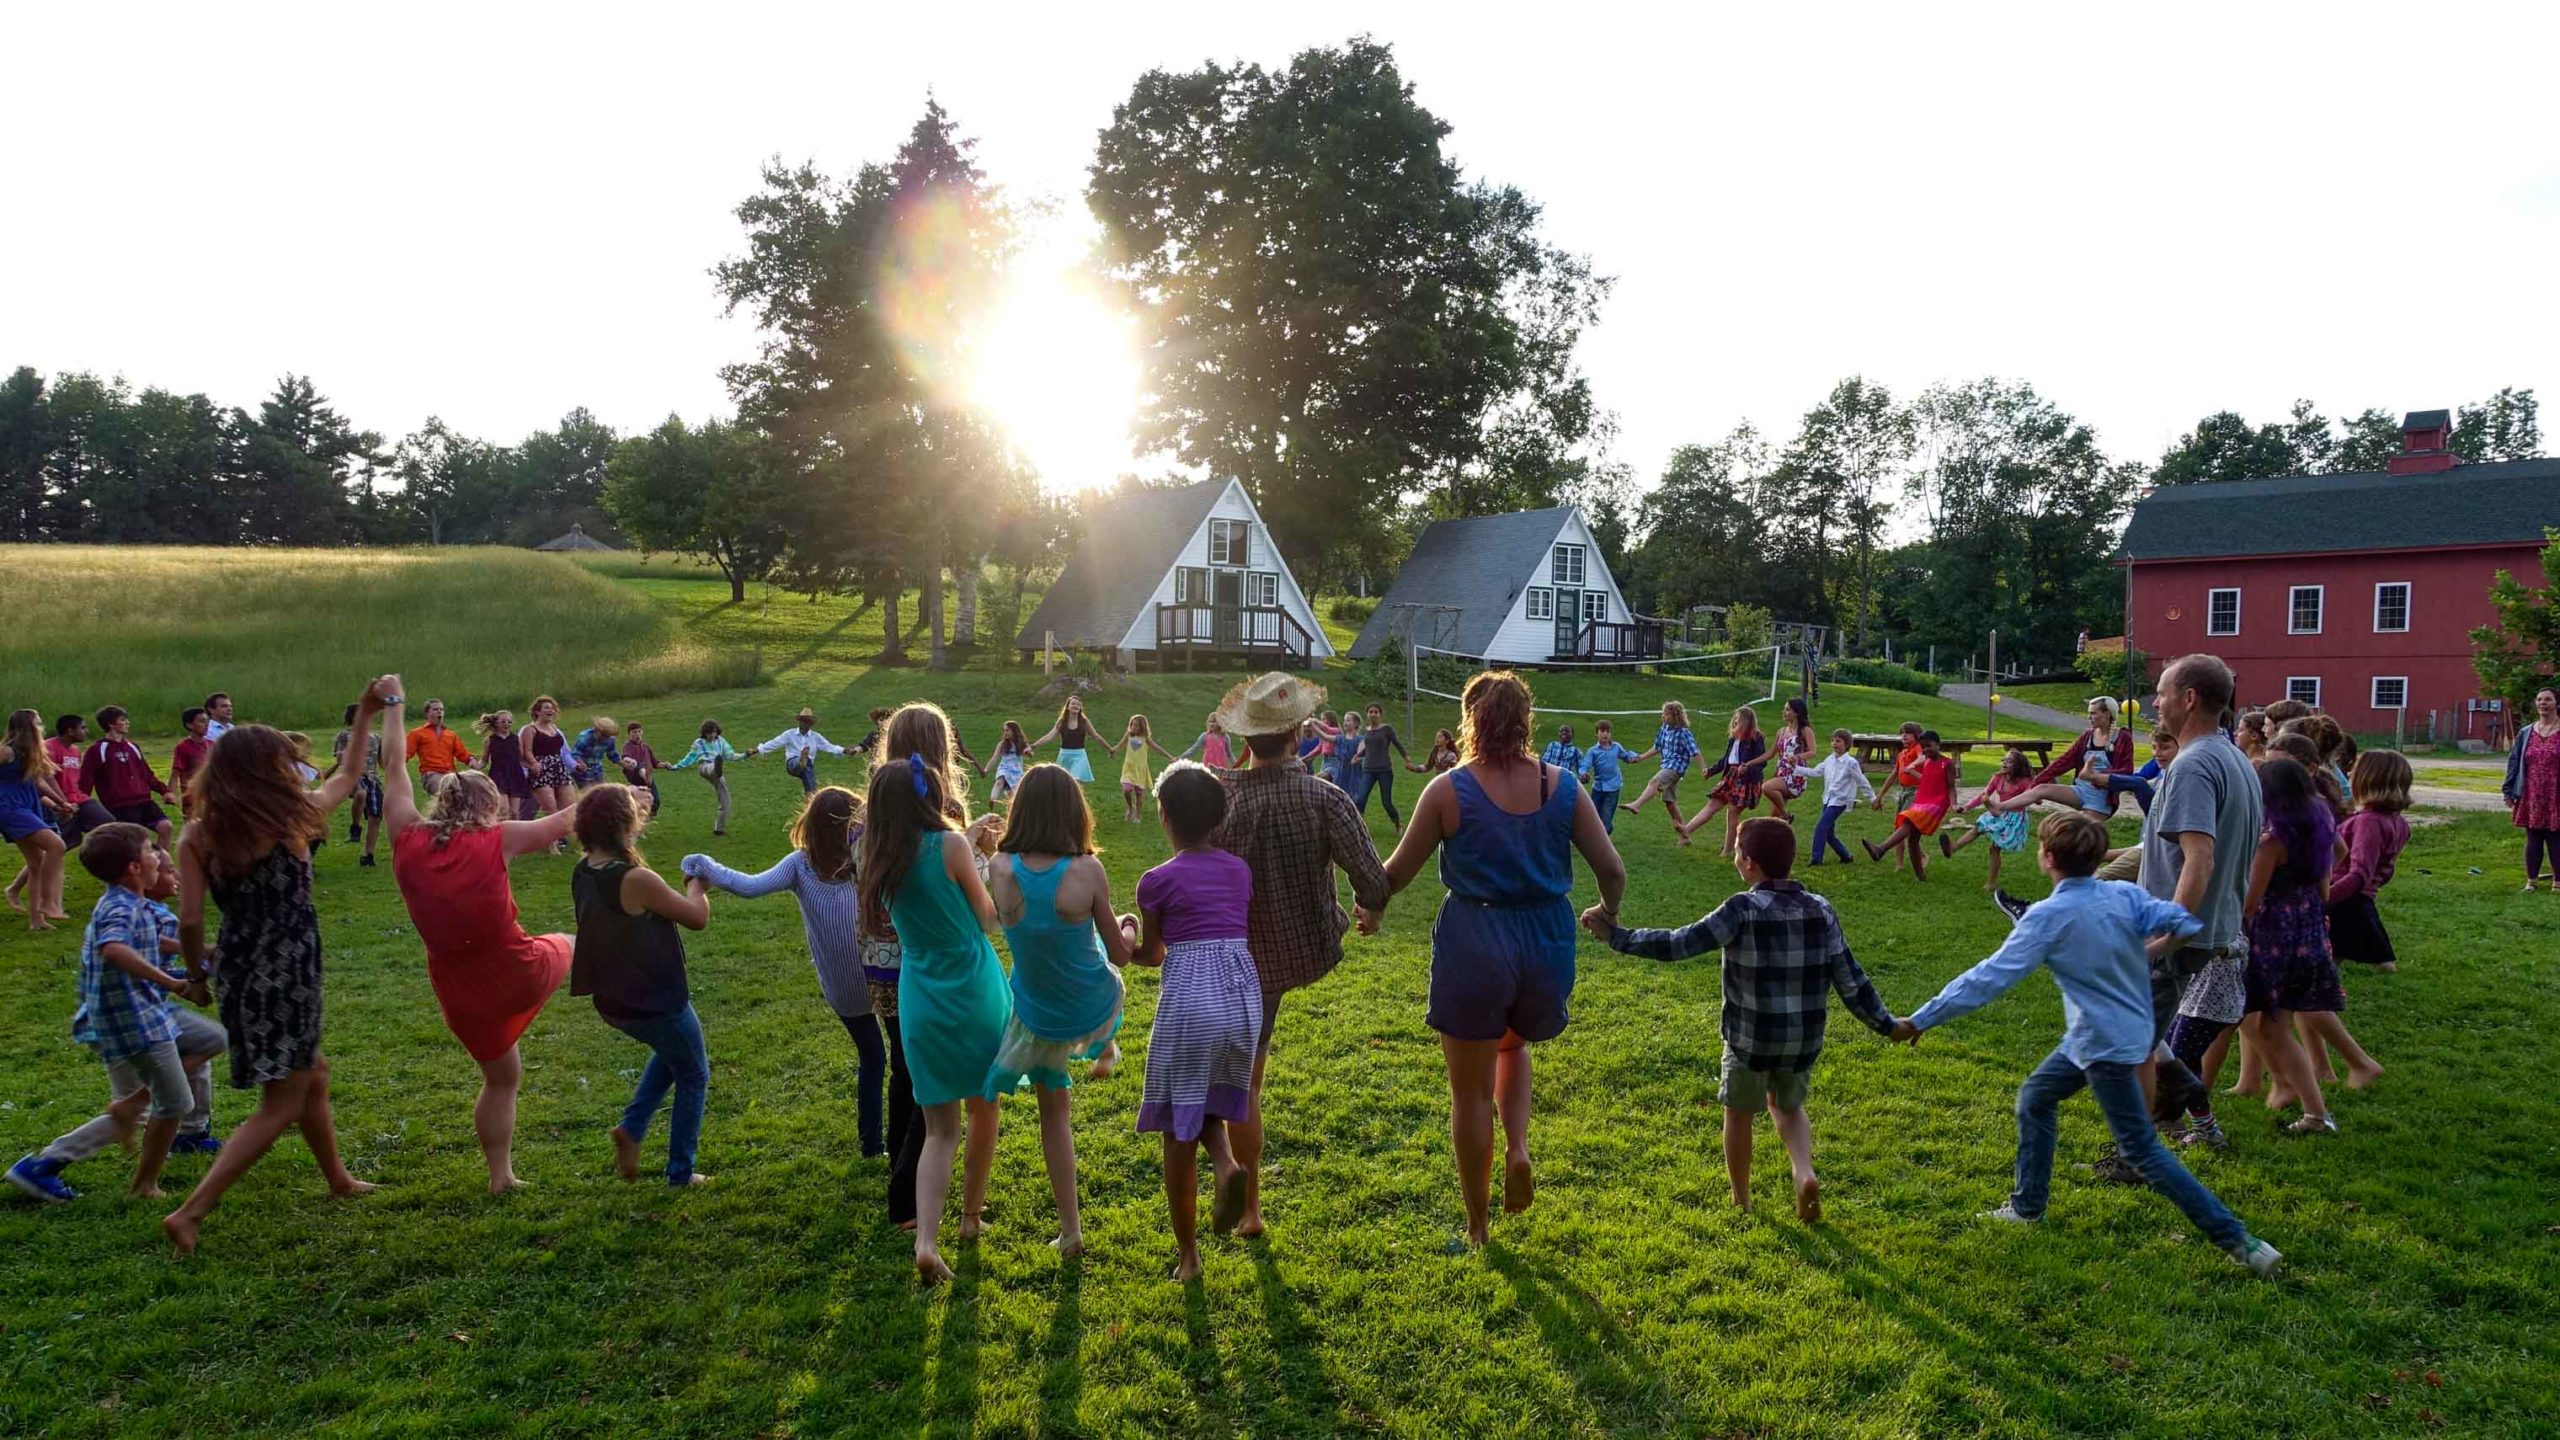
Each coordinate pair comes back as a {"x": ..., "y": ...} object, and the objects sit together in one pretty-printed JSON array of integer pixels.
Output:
[{"x": 1133, "y": 764}]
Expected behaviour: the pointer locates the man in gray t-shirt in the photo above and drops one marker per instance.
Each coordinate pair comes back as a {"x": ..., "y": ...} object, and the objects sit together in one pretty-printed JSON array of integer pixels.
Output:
[{"x": 2198, "y": 844}]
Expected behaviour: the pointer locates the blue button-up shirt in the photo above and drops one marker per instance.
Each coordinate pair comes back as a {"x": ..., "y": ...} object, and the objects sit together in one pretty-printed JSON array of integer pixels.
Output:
[
  {"x": 1600, "y": 766},
  {"x": 121, "y": 1015},
  {"x": 2090, "y": 933}
]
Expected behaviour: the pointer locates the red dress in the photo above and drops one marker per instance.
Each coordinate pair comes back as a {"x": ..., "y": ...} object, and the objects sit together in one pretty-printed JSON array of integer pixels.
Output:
[
  {"x": 490, "y": 977},
  {"x": 2538, "y": 808},
  {"x": 1932, "y": 793}
]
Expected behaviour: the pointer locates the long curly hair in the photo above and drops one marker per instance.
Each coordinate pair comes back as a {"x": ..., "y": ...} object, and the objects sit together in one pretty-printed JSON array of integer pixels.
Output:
[
  {"x": 921, "y": 728},
  {"x": 1499, "y": 715},
  {"x": 825, "y": 831},
  {"x": 26, "y": 742},
  {"x": 248, "y": 800},
  {"x": 469, "y": 801}
]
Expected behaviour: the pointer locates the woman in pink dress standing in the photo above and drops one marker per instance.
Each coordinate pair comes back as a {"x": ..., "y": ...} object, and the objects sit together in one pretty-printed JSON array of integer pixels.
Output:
[{"x": 2532, "y": 788}]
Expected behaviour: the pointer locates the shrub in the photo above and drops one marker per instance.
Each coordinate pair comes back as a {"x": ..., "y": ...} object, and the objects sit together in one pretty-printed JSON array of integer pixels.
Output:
[
  {"x": 1384, "y": 673},
  {"x": 1352, "y": 610},
  {"x": 1851, "y": 671},
  {"x": 1746, "y": 627},
  {"x": 2115, "y": 672}
]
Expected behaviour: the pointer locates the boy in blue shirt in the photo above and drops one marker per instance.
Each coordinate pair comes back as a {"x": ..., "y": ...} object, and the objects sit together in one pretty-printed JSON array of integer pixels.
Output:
[
  {"x": 1601, "y": 775},
  {"x": 2094, "y": 935},
  {"x": 1562, "y": 753},
  {"x": 128, "y": 1017}
]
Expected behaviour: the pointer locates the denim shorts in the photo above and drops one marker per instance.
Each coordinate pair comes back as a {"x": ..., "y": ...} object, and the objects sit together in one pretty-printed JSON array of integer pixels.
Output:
[{"x": 1497, "y": 969}]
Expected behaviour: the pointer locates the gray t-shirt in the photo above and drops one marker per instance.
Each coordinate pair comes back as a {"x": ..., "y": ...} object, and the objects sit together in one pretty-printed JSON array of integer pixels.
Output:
[{"x": 2208, "y": 788}]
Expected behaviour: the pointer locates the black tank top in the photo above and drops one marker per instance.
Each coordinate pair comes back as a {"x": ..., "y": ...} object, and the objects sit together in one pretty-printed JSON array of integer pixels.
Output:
[
  {"x": 1071, "y": 734},
  {"x": 632, "y": 964}
]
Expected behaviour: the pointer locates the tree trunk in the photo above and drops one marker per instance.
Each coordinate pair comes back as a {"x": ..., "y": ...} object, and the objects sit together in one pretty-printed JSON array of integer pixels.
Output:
[
  {"x": 964, "y": 627},
  {"x": 737, "y": 587},
  {"x": 1865, "y": 568},
  {"x": 935, "y": 656},
  {"x": 893, "y": 643}
]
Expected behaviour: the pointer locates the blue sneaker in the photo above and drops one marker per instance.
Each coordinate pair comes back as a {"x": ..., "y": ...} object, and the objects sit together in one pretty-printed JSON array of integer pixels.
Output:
[
  {"x": 41, "y": 1178},
  {"x": 196, "y": 1145}
]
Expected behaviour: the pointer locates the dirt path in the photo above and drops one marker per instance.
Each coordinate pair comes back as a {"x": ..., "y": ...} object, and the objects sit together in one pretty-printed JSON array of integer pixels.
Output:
[{"x": 1974, "y": 695}]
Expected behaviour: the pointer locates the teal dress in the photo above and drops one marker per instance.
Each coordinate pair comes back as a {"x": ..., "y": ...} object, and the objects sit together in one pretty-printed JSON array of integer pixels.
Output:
[
  {"x": 1066, "y": 996},
  {"x": 952, "y": 1006}
]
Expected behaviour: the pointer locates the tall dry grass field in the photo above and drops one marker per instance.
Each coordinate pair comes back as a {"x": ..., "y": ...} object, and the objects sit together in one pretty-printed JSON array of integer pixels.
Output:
[{"x": 292, "y": 633}]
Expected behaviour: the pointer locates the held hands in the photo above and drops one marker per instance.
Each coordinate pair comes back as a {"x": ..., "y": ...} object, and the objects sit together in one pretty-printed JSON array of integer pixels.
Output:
[
  {"x": 1600, "y": 920},
  {"x": 1905, "y": 1033},
  {"x": 1366, "y": 920}
]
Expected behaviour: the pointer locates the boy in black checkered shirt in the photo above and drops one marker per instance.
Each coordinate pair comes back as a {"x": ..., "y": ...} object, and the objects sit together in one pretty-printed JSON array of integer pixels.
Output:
[{"x": 1783, "y": 955}]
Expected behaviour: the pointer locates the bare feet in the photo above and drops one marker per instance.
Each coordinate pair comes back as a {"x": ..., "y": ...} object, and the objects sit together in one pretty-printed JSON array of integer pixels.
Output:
[
  {"x": 1226, "y": 1203},
  {"x": 1477, "y": 1237},
  {"x": 2359, "y": 1079},
  {"x": 182, "y": 1229},
  {"x": 348, "y": 1187},
  {"x": 154, "y": 1193},
  {"x": 1809, "y": 1201},
  {"x": 1251, "y": 1225},
  {"x": 1109, "y": 1062},
  {"x": 1068, "y": 1246},
  {"x": 626, "y": 1155},
  {"x": 929, "y": 1268},
  {"x": 501, "y": 1184},
  {"x": 2245, "y": 1087},
  {"x": 1519, "y": 1184},
  {"x": 1187, "y": 1269},
  {"x": 973, "y": 1224},
  {"x": 2280, "y": 1098}
]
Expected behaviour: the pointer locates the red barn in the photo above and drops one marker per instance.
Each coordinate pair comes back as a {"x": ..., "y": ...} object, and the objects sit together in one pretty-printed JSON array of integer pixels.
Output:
[{"x": 2357, "y": 593}]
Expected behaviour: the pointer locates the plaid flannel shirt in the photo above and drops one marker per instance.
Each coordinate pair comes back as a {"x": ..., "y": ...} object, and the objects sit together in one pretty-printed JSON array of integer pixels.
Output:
[
  {"x": 1293, "y": 828},
  {"x": 1783, "y": 953},
  {"x": 1676, "y": 746},
  {"x": 121, "y": 1015}
]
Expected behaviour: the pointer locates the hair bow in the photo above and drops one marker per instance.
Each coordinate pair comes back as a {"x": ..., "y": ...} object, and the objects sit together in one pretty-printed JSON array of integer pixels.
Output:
[{"x": 915, "y": 770}]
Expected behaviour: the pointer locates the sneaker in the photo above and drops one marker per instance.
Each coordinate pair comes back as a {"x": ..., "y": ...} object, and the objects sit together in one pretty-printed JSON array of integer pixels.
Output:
[
  {"x": 354, "y": 833},
  {"x": 2113, "y": 1167},
  {"x": 2008, "y": 1214},
  {"x": 41, "y": 1178},
  {"x": 2010, "y": 905},
  {"x": 196, "y": 1145},
  {"x": 2261, "y": 1257},
  {"x": 2206, "y": 1131},
  {"x": 366, "y": 861}
]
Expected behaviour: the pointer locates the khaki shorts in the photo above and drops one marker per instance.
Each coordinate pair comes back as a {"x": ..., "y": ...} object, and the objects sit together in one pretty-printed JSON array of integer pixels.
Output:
[{"x": 1743, "y": 1088}]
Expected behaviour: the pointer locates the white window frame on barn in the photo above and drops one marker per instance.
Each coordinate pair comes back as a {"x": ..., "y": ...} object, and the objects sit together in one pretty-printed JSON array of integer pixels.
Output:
[
  {"x": 1595, "y": 607},
  {"x": 1568, "y": 576},
  {"x": 1262, "y": 587},
  {"x": 1230, "y": 542},
  {"x": 1542, "y": 603},
  {"x": 2211, "y": 597},
  {"x": 2293, "y": 609},
  {"x": 2402, "y": 703},
  {"x": 2294, "y": 686},
  {"x": 2408, "y": 604}
]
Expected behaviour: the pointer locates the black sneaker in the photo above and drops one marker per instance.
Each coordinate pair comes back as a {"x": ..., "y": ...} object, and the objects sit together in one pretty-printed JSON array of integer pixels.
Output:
[
  {"x": 2010, "y": 905},
  {"x": 365, "y": 861},
  {"x": 2115, "y": 1168}
]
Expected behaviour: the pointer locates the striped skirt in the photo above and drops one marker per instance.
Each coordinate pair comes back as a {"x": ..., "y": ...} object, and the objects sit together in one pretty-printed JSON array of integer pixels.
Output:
[{"x": 1208, "y": 1024}]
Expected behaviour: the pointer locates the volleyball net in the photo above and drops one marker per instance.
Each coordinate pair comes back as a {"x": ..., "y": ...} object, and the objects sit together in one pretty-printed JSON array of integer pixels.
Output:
[{"x": 1698, "y": 665}]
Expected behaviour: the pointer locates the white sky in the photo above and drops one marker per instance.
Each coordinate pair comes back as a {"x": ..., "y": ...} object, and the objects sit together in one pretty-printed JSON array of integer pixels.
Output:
[{"x": 495, "y": 213}]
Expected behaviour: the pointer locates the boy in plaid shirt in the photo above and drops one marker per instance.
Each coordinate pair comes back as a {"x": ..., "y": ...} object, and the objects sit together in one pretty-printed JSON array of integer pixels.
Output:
[
  {"x": 1783, "y": 955},
  {"x": 127, "y": 1016}
]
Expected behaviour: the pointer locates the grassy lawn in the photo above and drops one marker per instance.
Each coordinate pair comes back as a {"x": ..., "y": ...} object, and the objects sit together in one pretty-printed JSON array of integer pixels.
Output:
[
  {"x": 1633, "y": 1300},
  {"x": 2481, "y": 778}
]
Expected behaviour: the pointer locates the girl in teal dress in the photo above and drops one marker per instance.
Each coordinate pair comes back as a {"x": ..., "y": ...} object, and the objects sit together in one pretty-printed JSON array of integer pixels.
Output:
[
  {"x": 919, "y": 880},
  {"x": 1068, "y": 952}
]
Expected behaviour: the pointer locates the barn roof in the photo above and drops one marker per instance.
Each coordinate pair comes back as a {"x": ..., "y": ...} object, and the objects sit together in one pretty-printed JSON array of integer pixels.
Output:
[
  {"x": 1476, "y": 565},
  {"x": 576, "y": 539},
  {"x": 2427, "y": 420},
  {"x": 1131, "y": 540},
  {"x": 2494, "y": 503}
]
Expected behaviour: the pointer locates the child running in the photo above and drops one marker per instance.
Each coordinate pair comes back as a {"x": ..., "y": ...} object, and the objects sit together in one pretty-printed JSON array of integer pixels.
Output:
[
  {"x": 596, "y": 754},
  {"x": 120, "y": 779},
  {"x": 187, "y": 761},
  {"x": 1561, "y": 752},
  {"x": 27, "y": 791},
  {"x": 364, "y": 820},
  {"x": 1793, "y": 767},
  {"x": 1068, "y": 950},
  {"x": 2092, "y": 935},
  {"x": 2374, "y": 836},
  {"x": 640, "y": 765},
  {"x": 1213, "y": 747},
  {"x": 1783, "y": 953},
  {"x": 709, "y": 756},
  {"x": 502, "y": 759},
  {"x": 819, "y": 873},
  {"x": 1444, "y": 753},
  {"x": 630, "y": 959},
  {"x": 1933, "y": 791},
  {"x": 1844, "y": 783},
  {"x": 1012, "y": 753},
  {"x": 1136, "y": 777},
  {"x": 1191, "y": 921},
  {"x": 1676, "y": 746},
  {"x": 2291, "y": 970},
  {"x": 1603, "y": 773},
  {"x": 2005, "y": 829},
  {"x": 1741, "y": 766}
]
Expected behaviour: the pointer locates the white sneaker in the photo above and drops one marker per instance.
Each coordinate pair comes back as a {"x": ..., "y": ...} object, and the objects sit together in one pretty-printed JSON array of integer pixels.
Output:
[
  {"x": 2261, "y": 1257},
  {"x": 2008, "y": 1214}
]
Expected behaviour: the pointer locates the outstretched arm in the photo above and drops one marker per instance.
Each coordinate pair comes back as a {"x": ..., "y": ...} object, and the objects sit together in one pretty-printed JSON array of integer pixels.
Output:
[
  {"x": 741, "y": 884},
  {"x": 399, "y": 799},
  {"x": 333, "y": 792},
  {"x": 532, "y": 837}
]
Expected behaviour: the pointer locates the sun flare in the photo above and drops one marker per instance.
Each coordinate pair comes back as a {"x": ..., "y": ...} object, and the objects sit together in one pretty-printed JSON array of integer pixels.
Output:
[{"x": 1058, "y": 368}]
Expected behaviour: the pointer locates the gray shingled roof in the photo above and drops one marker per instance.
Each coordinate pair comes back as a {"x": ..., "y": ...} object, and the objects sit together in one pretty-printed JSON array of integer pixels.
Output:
[
  {"x": 2510, "y": 501},
  {"x": 1477, "y": 565},
  {"x": 576, "y": 539},
  {"x": 2427, "y": 420},
  {"x": 1105, "y": 585}
]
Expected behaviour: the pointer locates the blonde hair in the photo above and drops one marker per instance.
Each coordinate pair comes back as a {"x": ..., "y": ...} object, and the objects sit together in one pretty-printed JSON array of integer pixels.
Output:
[
  {"x": 2381, "y": 781},
  {"x": 1745, "y": 721},
  {"x": 26, "y": 740},
  {"x": 469, "y": 801},
  {"x": 488, "y": 724},
  {"x": 606, "y": 726},
  {"x": 2104, "y": 705},
  {"x": 301, "y": 744},
  {"x": 1676, "y": 714}
]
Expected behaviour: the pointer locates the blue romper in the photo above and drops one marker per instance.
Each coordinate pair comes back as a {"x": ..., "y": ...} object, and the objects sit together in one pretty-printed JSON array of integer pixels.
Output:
[{"x": 1502, "y": 947}]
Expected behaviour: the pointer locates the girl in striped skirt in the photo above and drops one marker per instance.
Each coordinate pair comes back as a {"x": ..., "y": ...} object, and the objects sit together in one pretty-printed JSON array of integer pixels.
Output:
[{"x": 1191, "y": 921}]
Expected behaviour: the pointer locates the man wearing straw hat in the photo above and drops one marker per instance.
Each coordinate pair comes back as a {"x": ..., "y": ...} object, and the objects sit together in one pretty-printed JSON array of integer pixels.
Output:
[
  {"x": 1293, "y": 830},
  {"x": 800, "y": 746}
]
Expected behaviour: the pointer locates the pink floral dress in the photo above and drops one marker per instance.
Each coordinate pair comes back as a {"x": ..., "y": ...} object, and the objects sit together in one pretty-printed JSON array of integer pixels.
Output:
[{"x": 2538, "y": 808}]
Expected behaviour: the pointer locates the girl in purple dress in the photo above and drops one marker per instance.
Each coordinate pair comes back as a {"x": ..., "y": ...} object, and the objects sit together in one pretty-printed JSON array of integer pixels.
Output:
[
  {"x": 2291, "y": 970},
  {"x": 502, "y": 756}
]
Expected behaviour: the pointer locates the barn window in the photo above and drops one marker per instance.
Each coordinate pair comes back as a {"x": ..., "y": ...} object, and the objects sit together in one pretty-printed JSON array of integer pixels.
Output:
[
  {"x": 2306, "y": 609},
  {"x": 2390, "y": 611},
  {"x": 1567, "y": 569},
  {"x": 2390, "y": 692},
  {"x": 1227, "y": 541},
  {"x": 1542, "y": 604},
  {"x": 1595, "y": 606},
  {"x": 2305, "y": 688},
  {"x": 2222, "y": 612}
]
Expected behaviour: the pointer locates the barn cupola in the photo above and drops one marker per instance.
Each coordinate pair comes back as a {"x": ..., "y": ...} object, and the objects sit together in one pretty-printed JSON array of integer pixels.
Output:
[{"x": 2426, "y": 444}]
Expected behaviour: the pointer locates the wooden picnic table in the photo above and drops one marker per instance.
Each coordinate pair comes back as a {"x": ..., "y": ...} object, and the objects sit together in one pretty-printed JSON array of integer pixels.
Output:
[{"x": 1879, "y": 750}]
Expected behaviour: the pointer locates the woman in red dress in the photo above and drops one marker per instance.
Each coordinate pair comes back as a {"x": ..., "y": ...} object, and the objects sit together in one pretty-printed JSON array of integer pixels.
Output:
[
  {"x": 490, "y": 977},
  {"x": 2533, "y": 787}
]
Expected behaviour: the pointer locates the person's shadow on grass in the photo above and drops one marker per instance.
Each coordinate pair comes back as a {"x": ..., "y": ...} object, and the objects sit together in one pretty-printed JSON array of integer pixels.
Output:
[
  {"x": 1604, "y": 1361},
  {"x": 1062, "y": 1361}
]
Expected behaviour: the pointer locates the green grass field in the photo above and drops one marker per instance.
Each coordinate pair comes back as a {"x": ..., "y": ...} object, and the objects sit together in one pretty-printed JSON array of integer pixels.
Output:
[{"x": 1633, "y": 1300}]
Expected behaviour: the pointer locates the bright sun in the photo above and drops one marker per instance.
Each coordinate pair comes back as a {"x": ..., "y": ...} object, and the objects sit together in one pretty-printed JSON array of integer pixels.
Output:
[{"x": 1058, "y": 368}]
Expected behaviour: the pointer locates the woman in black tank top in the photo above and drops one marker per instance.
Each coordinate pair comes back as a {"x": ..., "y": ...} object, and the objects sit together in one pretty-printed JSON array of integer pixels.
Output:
[{"x": 630, "y": 960}]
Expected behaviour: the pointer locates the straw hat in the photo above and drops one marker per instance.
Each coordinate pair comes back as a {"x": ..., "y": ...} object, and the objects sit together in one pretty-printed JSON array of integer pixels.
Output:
[
  {"x": 806, "y": 714},
  {"x": 1270, "y": 704}
]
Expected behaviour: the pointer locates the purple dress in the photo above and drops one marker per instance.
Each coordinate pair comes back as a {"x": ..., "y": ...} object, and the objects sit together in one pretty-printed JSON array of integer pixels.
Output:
[
  {"x": 2290, "y": 964},
  {"x": 1209, "y": 1005},
  {"x": 507, "y": 768}
]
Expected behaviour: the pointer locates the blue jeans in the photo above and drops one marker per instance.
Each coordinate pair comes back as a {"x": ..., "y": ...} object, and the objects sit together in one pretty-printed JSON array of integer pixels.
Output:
[
  {"x": 1823, "y": 836},
  {"x": 1381, "y": 783},
  {"x": 1606, "y": 802},
  {"x": 677, "y": 1061},
  {"x": 865, "y": 1030},
  {"x": 2118, "y": 1090},
  {"x": 2134, "y": 785},
  {"x": 806, "y": 769}
]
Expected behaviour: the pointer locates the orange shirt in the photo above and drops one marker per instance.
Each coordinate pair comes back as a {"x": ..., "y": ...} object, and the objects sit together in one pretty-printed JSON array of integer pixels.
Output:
[
  {"x": 1906, "y": 766},
  {"x": 439, "y": 752}
]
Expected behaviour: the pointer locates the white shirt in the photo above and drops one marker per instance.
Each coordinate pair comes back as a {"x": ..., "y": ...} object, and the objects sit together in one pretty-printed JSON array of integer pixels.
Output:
[
  {"x": 1844, "y": 780},
  {"x": 798, "y": 744},
  {"x": 213, "y": 729}
]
